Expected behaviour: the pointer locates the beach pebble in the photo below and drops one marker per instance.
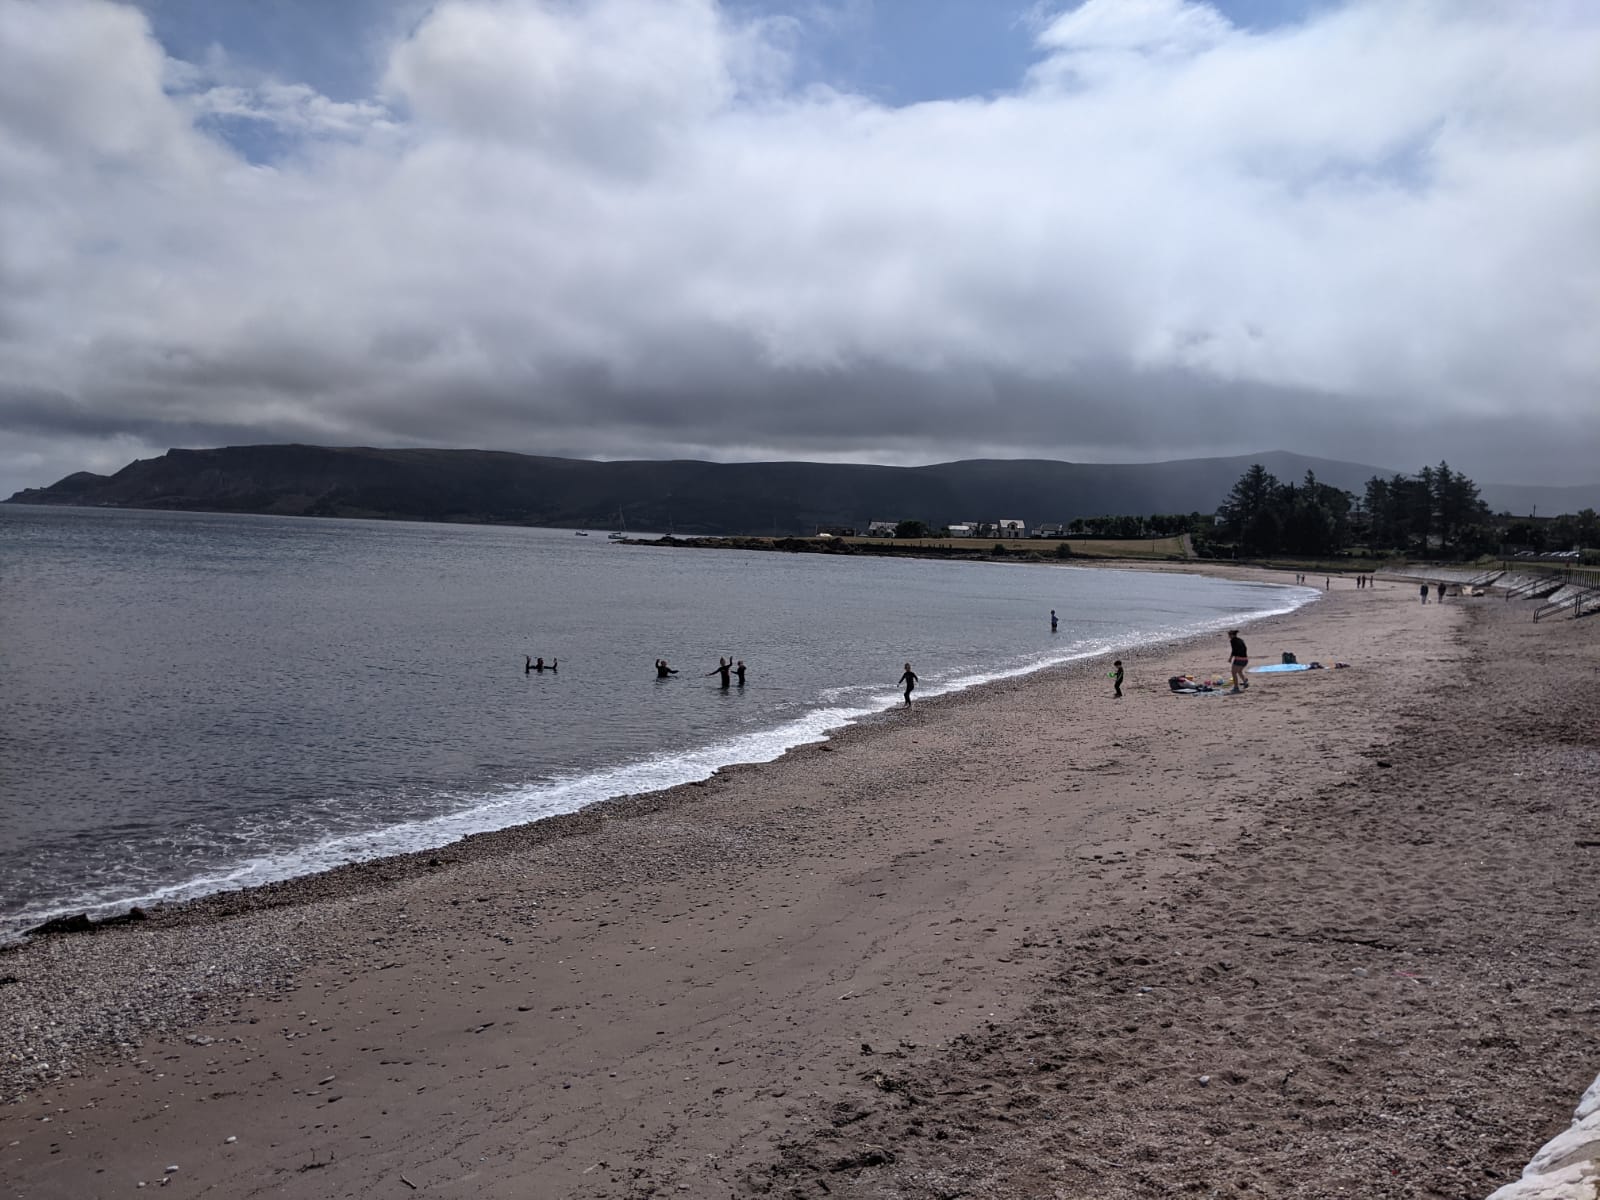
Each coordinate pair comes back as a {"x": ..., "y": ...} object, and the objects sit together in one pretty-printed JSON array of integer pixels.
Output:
[
  {"x": 1205, "y": 1081},
  {"x": 172, "y": 1169},
  {"x": 229, "y": 1140}
]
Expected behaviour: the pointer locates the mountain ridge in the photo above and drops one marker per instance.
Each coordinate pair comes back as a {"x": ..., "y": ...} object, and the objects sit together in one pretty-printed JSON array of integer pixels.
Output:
[{"x": 689, "y": 495}]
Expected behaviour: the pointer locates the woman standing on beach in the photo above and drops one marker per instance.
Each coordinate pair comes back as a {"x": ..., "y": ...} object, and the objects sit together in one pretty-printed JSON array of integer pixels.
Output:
[
  {"x": 909, "y": 678},
  {"x": 1238, "y": 660}
]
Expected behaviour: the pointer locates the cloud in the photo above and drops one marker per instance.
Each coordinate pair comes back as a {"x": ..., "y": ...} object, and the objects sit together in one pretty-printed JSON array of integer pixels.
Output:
[{"x": 632, "y": 227}]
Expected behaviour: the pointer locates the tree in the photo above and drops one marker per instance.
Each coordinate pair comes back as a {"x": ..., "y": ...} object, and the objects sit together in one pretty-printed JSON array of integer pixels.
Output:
[
  {"x": 1588, "y": 528},
  {"x": 1248, "y": 510},
  {"x": 911, "y": 529}
]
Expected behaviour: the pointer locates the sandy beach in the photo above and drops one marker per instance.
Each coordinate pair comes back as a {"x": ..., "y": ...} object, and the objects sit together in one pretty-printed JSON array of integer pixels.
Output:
[{"x": 1333, "y": 937}]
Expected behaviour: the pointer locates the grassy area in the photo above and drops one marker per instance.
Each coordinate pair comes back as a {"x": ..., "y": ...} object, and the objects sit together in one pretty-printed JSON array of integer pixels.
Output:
[{"x": 1150, "y": 548}]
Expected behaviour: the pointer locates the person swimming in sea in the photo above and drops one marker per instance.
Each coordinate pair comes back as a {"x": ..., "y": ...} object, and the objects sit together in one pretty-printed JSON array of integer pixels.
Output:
[
  {"x": 724, "y": 666},
  {"x": 662, "y": 670},
  {"x": 738, "y": 672},
  {"x": 1052, "y": 620},
  {"x": 537, "y": 664},
  {"x": 909, "y": 678}
]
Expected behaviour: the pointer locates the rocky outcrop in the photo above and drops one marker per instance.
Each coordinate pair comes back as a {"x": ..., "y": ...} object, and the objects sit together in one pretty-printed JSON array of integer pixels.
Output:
[{"x": 1567, "y": 1167}]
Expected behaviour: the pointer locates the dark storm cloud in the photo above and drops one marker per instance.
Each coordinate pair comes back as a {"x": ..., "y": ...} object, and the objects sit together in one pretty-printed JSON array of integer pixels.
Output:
[{"x": 615, "y": 228}]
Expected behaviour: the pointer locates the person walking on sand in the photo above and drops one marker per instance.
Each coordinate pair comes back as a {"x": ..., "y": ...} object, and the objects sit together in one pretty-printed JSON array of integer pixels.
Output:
[
  {"x": 1424, "y": 593},
  {"x": 1238, "y": 660},
  {"x": 723, "y": 667},
  {"x": 662, "y": 670},
  {"x": 1116, "y": 680},
  {"x": 909, "y": 679},
  {"x": 738, "y": 672}
]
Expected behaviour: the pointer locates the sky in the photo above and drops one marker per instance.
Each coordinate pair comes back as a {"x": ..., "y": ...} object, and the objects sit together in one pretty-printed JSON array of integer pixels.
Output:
[{"x": 895, "y": 231}]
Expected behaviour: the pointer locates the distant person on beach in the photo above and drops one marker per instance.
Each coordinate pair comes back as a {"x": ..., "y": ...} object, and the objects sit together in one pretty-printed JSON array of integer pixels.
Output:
[
  {"x": 662, "y": 670},
  {"x": 1116, "y": 680},
  {"x": 1052, "y": 620},
  {"x": 1238, "y": 660},
  {"x": 1424, "y": 593},
  {"x": 1439, "y": 587},
  {"x": 723, "y": 667},
  {"x": 738, "y": 672},
  {"x": 909, "y": 678}
]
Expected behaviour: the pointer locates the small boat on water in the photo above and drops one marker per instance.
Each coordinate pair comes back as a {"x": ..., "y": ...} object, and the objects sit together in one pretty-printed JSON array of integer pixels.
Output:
[
  {"x": 580, "y": 533},
  {"x": 622, "y": 534}
]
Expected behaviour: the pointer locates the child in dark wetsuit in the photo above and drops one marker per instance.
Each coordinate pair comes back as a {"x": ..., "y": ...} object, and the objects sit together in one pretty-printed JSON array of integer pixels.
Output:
[
  {"x": 738, "y": 672},
  {"x": 723, "y": 667},
  {"x": 909, "y": 678},
  {"x": 662, "y": 670},
  {"x": 1116, "y": 680}
]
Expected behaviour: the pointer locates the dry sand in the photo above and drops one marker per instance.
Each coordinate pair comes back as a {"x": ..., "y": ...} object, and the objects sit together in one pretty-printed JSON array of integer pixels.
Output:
[{"x": 1332, "y": 937}]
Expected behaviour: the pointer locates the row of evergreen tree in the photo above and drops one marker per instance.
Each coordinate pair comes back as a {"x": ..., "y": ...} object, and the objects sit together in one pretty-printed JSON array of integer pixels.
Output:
[{"x": 1435, "y": 513}]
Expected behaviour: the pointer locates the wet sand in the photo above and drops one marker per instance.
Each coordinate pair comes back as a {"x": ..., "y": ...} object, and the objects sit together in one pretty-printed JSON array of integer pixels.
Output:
[{"x": 1332, "y": 937}]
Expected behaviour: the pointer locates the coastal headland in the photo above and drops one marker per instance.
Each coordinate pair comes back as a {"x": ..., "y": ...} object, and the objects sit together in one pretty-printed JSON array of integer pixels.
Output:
[{"x": 1331, "y": 937}]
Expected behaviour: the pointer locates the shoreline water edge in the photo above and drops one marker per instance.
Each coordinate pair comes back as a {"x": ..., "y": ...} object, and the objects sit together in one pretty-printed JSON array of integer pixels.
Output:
[
  {"x": 571, "y": 796},
  {"x": 1329, "y": 937}
]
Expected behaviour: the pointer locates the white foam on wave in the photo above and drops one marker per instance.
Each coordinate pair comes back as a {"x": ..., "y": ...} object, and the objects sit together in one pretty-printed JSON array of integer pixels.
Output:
[{"x": 550, "y": 798}]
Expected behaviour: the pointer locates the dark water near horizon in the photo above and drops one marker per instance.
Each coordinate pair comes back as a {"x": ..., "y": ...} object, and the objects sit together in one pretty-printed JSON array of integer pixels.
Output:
[{"x": 194, "y": 702}]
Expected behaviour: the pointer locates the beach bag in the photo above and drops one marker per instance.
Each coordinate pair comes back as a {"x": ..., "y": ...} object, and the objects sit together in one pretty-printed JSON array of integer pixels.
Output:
[{"x": 1288, "y": 658}]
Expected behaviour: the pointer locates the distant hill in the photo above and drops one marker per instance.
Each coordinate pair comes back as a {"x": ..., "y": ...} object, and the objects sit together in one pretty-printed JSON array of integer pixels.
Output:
[{"x": 688, "y": 497}]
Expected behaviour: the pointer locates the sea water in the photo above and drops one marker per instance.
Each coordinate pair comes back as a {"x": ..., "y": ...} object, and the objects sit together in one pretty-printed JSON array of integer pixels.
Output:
[{"x": 195, "y": 702}]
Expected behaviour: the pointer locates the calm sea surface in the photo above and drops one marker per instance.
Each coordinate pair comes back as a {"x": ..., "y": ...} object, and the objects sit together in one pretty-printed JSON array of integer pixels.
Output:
[{"x": 191, "y": 702}]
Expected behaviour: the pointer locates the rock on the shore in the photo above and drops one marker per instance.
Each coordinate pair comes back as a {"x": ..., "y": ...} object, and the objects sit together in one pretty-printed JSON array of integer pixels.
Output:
[{"x": 1567, "y": 1167}]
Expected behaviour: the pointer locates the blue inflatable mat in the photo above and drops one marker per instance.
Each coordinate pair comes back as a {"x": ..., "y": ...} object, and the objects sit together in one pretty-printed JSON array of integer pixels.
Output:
[{"x": 1277, "y": 668}]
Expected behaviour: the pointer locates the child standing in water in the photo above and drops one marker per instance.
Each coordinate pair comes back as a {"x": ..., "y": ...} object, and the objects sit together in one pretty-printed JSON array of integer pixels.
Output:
[{"x": 909, "y": 678}]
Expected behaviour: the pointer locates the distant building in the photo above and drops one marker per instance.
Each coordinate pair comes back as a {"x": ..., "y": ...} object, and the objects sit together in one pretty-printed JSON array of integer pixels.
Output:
[
  {"x": 881, "y": 528},
  {"x": 836, "y": 531},
  {"x": 1012, "y": 529},
  {"x": 964, "y": 529},
  {"x": 1050, "y": 531}
]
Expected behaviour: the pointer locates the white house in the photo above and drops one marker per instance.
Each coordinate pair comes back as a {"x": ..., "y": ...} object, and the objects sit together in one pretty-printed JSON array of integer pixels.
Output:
[
  {"x": 964, "y": 529},
  {"x": 881, "y": 528},
  {"x": 1012, "y": 529}
]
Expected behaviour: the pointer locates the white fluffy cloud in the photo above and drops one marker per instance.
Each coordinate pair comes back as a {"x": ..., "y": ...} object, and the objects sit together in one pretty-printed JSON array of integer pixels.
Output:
[{"x": 621, "y": 227}]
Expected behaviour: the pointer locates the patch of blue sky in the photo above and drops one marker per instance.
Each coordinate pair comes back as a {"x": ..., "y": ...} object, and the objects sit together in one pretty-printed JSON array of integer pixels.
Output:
[
  {"x": 896, "y": 52},
  {"x": 257, "y": 141}
]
